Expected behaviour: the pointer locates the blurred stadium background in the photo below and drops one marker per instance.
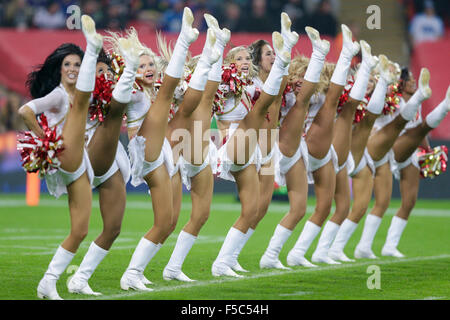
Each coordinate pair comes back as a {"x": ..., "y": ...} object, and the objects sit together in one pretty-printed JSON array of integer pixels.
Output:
[{"x": 414, "y": 33}]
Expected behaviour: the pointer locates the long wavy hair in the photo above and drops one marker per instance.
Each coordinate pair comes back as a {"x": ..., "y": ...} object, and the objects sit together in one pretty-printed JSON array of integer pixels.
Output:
[
  {"x": 47, "y": 76},
  {"x": 104, "y": 57},
  {"x": 404, "y": 77},
  {"x": 298, "y": 67},
  {"x": 231, "y": 57},
  {"x": 112, "y": 44},
  {"x": 255, "y": 50}
]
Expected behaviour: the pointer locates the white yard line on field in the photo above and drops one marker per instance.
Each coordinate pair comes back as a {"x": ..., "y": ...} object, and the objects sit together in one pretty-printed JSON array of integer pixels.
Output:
[
  {"x": 50, "y": 250},
  {"x": 269, "y": 274},
  {"x": 275, "y": 207}
]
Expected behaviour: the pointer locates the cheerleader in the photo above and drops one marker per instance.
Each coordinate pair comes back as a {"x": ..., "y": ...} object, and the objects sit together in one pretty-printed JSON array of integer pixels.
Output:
[
  {"x": 304, "y": 77},
  {"x": 322, "y": 160},
  {"x": 147, "y": 157},
  {"x": 378, "y": 156},
  {"x": 64, "y": 99},
  {"x": 405, "y": 167},
  {"x": 198, "y": 165},
  {"x": 379, "y": 148},
  {"x": 239, "y": 156},
  {"x": 110, "y": 163},
  {"x": 409, "y": 178},
  {"x": 263, "y": 58},
  {"x": 361, "y": 167},
  {"x": 144, "y": 87},
  {"x": 341, "y": 144},
  {"x": 181, "y": 118}
]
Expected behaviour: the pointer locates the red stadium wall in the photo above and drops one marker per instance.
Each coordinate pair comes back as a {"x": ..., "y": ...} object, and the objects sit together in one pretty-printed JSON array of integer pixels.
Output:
[
  {"x": 20, "y": 51},
  {"x": 435, "y": 56}
]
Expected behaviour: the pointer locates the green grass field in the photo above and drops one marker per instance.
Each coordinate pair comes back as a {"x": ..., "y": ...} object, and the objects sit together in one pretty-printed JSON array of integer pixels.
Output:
[{"x": 30, "y": 235}]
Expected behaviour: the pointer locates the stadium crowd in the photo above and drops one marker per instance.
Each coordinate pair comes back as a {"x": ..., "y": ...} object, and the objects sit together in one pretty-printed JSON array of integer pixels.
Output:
[{"x": 166, "y": 14}]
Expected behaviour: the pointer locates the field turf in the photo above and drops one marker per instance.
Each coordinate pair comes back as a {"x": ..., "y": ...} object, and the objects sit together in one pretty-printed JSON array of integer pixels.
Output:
[{"x": 29, "y": 237}]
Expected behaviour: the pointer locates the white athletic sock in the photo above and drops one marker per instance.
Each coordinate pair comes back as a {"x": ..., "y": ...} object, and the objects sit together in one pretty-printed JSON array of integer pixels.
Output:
[
  {"x": 409, "y": 110},
  {"x": 286, "y": 70},
  {"x": 86, "y": 74},
  {"x": 277, "y": 241},
  {"x": 124, "y": 87},
  {"x": 200, "y": 75},
  {"x": 435, "y": 117},
  {"x": 176, "y": 64},
  {"x": 232, "y": 241},
  {"x": 315, "y": 66},
  {"x": 314, "y": 69},
  {"x": 184, "y": 244},
  {"x": 377, "y": 100},
  {"x": 326, "y": 238},
  {"x": 370, "y": 229},
  {"x": 241, "y": 245},
  {"x": 309, "y": 233},
  {"x": 59, "y": 263},
  {"x": 209, "y": 56},
  {"x": 273, "y": 81},
  {"x": 215, "y": 74},
  {"x": 185, "y": 38},
  {"x": 91, "y": 260},
  {"x": 142, "y": 255},
  {"x": 395, "y": 232},
  {"x": 340, "y": 72},
  {"x": 359, "y": 88},
  {"x": 343, "y": 235}
]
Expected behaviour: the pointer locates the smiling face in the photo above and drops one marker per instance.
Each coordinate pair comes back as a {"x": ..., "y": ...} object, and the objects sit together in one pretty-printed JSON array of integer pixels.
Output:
[
  {"x": 243, "y": 61},
  {"x": 147, "y": 69},
  {"x": 267, "y": 58},
  {"x": 69, "y": 69}
]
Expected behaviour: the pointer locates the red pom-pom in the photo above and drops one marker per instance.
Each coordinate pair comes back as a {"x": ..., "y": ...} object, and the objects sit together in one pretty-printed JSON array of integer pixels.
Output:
[
  {"x": 345, "y": 94},
  {"x": 40, "y": 154},
  {"x": 360, "y": 110},
  {"x": 392, "y": 101},
  {"x": 432, "y": 161},
  {"x": 101, "y": 95},
  {"x": 232, "y": 82}
]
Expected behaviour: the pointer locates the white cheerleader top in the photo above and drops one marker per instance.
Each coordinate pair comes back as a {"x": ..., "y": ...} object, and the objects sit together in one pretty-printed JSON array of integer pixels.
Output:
[
  {"x": 291, "y": 99},
  {"x": 137, "y": 109},
  {"x": 316, "y": 102},
  {"x": 54, "y": 105},
  {"x": 384, "y": 120},
  {"x": 237, "y": 110}
]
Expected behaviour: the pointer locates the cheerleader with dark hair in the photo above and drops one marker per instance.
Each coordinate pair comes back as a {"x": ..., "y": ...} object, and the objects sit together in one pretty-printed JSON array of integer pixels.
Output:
[
  {"x": 61, "y": 89},
  {"x": 263, "y": 58},
  {"x": 290, "y": 169},
  {"x": 379, "y": 156},
  {"x": 322, "y": 159},
  {"x": 342, "y": 137},
  {"x": 108, "y": 158},
  {"x": 360, "y": 165},
  {"x": 239, "y": 156},
  {"x": 405, "y": 168},
  {"x": 379, "y": 149}
]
